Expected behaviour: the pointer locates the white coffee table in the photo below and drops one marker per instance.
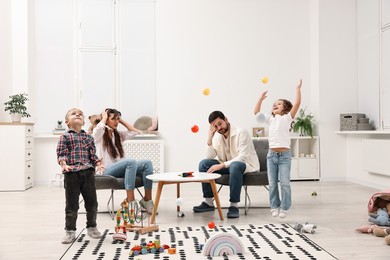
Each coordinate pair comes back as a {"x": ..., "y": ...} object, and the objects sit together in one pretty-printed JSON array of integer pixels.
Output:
[{"x": 175, "y": 178}]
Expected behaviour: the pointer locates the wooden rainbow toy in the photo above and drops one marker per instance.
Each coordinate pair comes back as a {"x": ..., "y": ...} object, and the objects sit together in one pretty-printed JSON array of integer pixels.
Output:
[{"x": 223, "y": 244}]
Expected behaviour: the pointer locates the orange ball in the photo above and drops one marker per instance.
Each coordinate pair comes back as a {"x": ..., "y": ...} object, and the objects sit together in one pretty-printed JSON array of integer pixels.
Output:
[
  {"x": 206, "y": 91},
  {"x": 211, "y": 225},
  {"x": 264, "y": 80},
  {"x": 194, "y": 128}
]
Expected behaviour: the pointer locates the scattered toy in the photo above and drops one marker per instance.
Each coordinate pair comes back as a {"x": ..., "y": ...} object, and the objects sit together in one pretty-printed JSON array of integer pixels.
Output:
[
  {"x": 186, "y": 174},
  {"x": 211, "y": 225},
  {"x": 380, "y": 218},
  {"x": 147, "y": 248},
  {"x": 172, "y": 251},
  {"x": 377, "y": 231},
  {"x": 305, "y": 228},
  {"x": 223, "y": 244}
]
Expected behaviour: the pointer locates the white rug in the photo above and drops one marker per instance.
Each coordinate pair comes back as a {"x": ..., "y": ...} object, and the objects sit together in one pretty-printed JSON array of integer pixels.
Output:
[{"x": 260, "y": 242}]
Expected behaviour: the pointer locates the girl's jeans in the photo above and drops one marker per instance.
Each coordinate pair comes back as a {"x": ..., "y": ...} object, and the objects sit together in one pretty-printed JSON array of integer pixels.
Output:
[
  {"x": 128, "y": 168},
  {"x": 279, "y": 167}
]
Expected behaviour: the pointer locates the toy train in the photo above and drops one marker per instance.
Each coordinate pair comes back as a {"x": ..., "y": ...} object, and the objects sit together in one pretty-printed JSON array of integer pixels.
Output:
[{"x": 146, "y": 248}]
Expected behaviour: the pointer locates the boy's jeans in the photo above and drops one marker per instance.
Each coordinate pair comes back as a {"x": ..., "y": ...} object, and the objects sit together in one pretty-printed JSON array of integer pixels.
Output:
[{"x": 75, "y": 183}]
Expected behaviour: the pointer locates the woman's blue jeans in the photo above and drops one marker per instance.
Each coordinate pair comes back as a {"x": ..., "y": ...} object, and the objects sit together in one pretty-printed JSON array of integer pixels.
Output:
[
  {"x": 236, "y": 173},
  {"x": 128, "y": 168},
  {"x": 279, "y": 167}
]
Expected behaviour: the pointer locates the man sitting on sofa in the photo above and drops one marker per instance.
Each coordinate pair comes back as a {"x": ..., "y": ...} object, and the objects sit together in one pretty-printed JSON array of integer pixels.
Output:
[{"x": 230, "y": 151}]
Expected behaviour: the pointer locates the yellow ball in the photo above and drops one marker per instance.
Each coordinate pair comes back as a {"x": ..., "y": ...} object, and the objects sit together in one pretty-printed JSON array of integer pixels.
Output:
[
  {"x": 206, "y": 91},
  {"x": 264, "y": 80}
]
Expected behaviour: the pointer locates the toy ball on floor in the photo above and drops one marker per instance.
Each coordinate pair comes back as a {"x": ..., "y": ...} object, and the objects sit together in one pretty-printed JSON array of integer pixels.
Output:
[
  {"x": 314, "y": 193},
  {"x": 206, "y": 91},
  {"x": 179, "y": 202},
  {"x": 211, "y": 225},
  {"x": 264, "y": 80},
  {"x": 195, "y": 128}
]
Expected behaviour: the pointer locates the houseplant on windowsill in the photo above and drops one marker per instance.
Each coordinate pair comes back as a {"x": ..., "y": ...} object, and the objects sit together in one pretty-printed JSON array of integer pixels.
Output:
[
  {"x": 16, "y": 106},
  {"x": 304, "y": 123}
]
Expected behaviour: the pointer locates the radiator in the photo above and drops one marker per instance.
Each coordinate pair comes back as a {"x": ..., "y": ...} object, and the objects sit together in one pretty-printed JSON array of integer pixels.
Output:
[
  {"x": 375, "y": 156},
  {"x": 146, "y": 149}
]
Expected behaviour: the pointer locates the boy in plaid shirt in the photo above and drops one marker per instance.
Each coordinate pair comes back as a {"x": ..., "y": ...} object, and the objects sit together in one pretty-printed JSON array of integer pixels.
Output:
[{"x": 76, "y": 153}]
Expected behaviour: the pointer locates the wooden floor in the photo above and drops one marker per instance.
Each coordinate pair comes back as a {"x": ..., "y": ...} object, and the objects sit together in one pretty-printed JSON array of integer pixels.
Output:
[{"x": 32, "y": 222}]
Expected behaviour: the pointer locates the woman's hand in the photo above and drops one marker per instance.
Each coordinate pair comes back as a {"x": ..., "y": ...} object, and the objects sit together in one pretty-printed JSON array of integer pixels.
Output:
[{"x": 104, "y": 116}]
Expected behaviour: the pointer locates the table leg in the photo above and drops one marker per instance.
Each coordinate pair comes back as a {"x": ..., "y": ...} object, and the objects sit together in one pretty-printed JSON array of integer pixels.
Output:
[
  {"x": 216, "y": 197},
  {"x": 157, "y": 200},
  {"x": 178, "y": 195}
]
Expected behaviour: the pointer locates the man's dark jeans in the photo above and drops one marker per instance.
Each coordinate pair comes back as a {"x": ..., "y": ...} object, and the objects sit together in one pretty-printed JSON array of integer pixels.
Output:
[
  {"x": 75, "y": 183},
  {"x": 236, "y": 173}
]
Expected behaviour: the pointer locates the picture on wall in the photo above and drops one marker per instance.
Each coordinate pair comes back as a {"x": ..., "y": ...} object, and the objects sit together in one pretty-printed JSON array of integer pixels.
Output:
[{"x": 258, "y": 132}]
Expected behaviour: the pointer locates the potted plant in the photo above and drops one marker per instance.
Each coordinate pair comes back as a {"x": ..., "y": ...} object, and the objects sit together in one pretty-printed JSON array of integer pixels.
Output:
[
  {"x": 304, "y": 123},
  {"x": 16, "y": 107}
]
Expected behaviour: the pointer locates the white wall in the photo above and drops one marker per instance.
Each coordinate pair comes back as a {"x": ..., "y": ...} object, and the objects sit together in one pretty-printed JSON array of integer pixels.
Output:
[
  {"x": 338, "y": 81},
  {"x": 368, "y": 60},
  {"x": 227, "y": 46},
  {"x": 5, "y": 56},
  {"x": 53, "y": 70}
]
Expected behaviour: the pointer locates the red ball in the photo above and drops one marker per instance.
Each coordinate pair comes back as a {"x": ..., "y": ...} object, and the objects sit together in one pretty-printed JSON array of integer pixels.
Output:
[
  {"x": 211, "y": 225},
  {"x": 194, "y": 128}
]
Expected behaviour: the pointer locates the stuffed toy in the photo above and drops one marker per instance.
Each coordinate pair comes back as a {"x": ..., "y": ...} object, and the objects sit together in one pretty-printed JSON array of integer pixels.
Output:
[
  {"x": 366, "y": 229},
  {"x": 94, "y": 119},
  {"x": 305, "y": 228},
  {"x": 377, "y": 231},
  {"x": 380, "y": 218}
]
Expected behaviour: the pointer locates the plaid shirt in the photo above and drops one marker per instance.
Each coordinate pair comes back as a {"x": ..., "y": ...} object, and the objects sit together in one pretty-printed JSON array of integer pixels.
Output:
[{"x": 77, "y": 149}]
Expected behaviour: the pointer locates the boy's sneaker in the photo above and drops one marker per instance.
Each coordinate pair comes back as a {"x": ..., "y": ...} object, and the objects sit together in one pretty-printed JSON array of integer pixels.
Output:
[
  {"x": 147, "y": 205},
  {"x": 70, "y": 236},
  {"x": 94, "y": 232},
  {"x": 275, "y": 212},
  {"x": 283, "y": 214}
]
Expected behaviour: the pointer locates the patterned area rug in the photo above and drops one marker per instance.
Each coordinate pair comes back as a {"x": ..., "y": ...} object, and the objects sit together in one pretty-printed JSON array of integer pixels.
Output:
[{"x": 272, "y": 241}]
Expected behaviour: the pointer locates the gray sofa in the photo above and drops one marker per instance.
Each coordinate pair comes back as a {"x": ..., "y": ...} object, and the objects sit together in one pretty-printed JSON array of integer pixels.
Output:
[
  {"x": 105, "y": 182},
  {"x": 258, "y": 178}
]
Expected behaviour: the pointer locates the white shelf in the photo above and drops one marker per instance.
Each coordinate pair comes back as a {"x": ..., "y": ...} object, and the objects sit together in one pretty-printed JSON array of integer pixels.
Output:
[
  {"x": 46, "y": 136},
  {"x": 372, "y": 132}
]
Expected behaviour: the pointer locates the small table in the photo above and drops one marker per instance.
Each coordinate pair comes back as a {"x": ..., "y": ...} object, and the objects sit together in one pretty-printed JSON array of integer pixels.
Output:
[{"x": 175, "y": 178}]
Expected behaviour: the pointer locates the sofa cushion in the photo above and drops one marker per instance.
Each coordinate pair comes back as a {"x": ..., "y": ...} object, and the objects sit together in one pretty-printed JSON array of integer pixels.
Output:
[
  {"x": 258, "y": 178},
  {"x": 109, "y": 182}
]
